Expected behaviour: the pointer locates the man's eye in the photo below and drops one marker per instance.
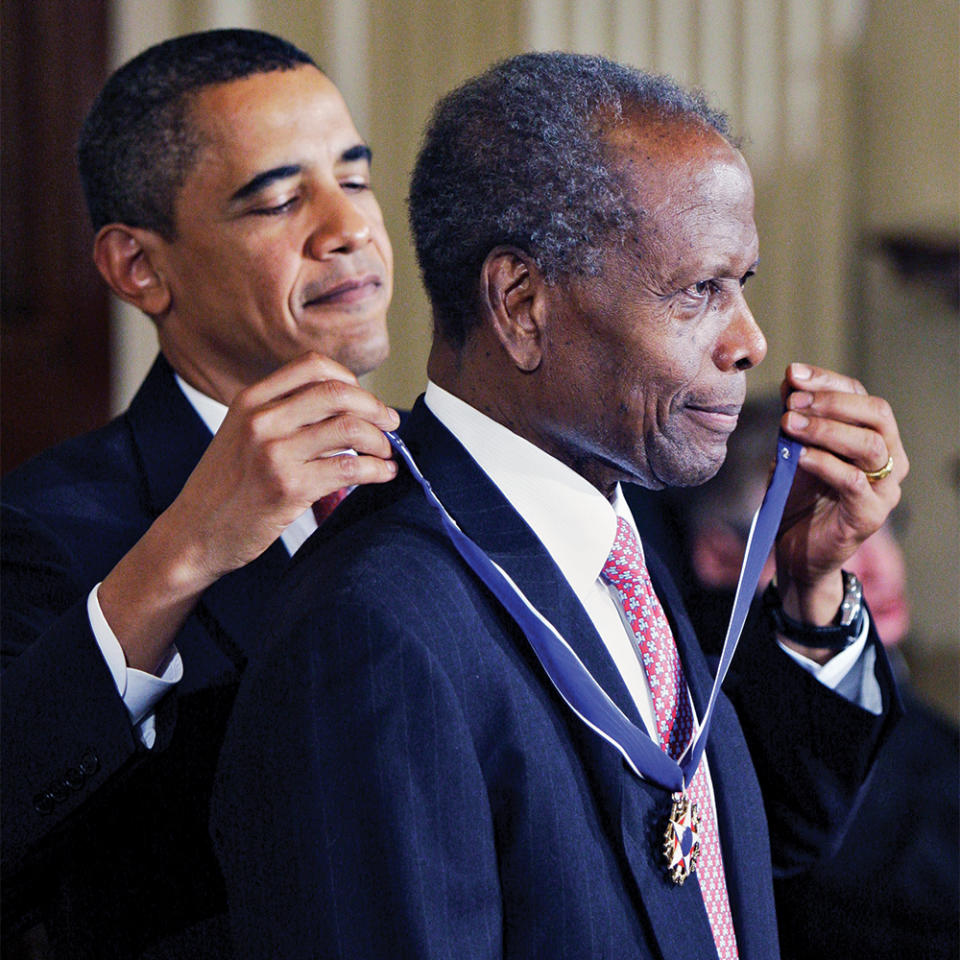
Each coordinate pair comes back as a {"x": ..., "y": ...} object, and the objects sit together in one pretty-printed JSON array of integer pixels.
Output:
[
  {"x": 704, "y": 287},
  {"x": 276, "y": 209},
  {"x": 355, "y": 185}
]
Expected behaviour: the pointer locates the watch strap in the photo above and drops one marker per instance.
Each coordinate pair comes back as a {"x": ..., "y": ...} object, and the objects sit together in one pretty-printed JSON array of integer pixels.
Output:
[{"x": 841, "y": 633}]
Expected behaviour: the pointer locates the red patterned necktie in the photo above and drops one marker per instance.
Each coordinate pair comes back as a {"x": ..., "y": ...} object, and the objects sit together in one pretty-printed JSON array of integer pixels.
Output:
[
  {"x": 627, "y": 572},
  {"x": 323, "y": 507}
]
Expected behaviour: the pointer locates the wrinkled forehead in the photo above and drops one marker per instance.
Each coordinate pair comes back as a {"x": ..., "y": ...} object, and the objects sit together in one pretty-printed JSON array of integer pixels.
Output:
[
  {"x": 662, "y": 158},
  {"x": 690, "y": 185}
]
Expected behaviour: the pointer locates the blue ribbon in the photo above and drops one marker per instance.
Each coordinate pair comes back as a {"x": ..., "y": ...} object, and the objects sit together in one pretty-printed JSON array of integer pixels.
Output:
[{"x": 567, "y": 672}]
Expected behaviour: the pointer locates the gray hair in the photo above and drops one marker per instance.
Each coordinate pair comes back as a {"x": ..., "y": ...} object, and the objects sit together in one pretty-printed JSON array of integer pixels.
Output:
[{"x": 517, "y": 157}]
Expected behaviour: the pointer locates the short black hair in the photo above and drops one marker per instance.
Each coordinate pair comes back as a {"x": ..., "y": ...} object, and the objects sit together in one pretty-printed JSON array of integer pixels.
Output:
[
  {"x": 516, "y": 157},
  {"x": 136, "y": 147}
]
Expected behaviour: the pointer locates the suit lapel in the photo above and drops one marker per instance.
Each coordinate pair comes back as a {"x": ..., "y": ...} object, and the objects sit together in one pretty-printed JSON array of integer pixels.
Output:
[
  {"x": 169, "y": 436},
  {"x": 484, "y": 514},
  {"x": 634, "y": 810}
]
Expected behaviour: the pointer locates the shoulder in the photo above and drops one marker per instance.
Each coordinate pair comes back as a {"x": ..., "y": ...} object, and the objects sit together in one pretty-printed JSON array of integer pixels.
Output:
[
  {"x": 74, "y": 469},
  {"x": 78, "y": 501},
  {"x": 389, "y": 553},
  {"x": 386, "y": 579}
]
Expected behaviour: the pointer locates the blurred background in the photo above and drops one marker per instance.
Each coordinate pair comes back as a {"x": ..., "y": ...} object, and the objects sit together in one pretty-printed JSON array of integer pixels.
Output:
[{"x": 849, "y": 114}]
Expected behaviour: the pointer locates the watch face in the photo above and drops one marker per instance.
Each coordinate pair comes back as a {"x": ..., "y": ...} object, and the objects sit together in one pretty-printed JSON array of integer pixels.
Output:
[{"x": 852, "y": 600}]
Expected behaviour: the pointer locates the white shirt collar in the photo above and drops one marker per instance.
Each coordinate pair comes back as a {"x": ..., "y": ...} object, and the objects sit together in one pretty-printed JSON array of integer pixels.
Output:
[
  {"x": 572, "y": 519},
  {"x": 210, "y": 411}
]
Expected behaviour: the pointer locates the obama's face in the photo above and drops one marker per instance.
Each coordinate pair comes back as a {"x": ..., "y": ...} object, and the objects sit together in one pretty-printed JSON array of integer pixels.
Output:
[{"x": 280, "y": 246}]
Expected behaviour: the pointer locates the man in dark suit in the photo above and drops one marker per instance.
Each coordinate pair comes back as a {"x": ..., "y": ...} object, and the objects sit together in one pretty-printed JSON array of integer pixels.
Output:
[
  {"x": 400, "y": 777},
  {"x": 231, "y": 196}
]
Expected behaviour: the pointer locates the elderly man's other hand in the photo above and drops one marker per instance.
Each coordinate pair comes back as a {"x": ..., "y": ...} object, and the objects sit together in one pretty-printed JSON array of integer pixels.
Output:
[
  {"x": 851, "y": 468},
  {"x": 284, "y": 444}
]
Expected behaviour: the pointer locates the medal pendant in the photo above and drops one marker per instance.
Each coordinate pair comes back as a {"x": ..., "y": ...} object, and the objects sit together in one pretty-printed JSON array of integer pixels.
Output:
[{"x": 681, "y": 840}]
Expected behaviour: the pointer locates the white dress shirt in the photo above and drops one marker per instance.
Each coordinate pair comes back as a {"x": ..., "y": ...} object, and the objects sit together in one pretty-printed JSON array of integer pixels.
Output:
[
  {"x": 577, "y": 525},
  {"x": 142, "y": 691}
]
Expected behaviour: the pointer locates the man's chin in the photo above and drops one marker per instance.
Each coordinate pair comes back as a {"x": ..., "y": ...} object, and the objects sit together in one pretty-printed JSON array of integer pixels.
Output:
[
  {"x": 687, "y": 471},
  {"x": 364, "y": 357}
]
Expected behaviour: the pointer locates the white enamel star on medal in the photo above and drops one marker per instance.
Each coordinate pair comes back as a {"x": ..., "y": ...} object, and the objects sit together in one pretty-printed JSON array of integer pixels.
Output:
[{"x": 681, "y": 841}]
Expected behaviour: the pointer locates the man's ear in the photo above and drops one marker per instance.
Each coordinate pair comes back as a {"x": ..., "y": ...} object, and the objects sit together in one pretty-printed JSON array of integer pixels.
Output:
[
  {"x": 511, "y": 291},
  {"x": 127, "y": 259}
]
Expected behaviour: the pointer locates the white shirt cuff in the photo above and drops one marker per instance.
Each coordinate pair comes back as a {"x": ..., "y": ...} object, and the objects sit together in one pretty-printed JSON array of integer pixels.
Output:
[
  {"x": 140, "y": 691},
  {"x": 850, "y": 673}
]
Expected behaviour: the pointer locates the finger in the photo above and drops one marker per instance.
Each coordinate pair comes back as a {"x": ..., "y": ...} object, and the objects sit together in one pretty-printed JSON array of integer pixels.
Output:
[
  {"x": 862, "y": 409},
  {"x": 337, "y": 434},
  {"x": 867, "y": 504},
  {"x": 317, "y": 402},
  {"x": 870, "y": 413},
  {"x": 863, "y": 447},
  {"x": 334, "y": 473},
  {"x": 308, "y": 368},
  {"x": 805, "y": 376}
]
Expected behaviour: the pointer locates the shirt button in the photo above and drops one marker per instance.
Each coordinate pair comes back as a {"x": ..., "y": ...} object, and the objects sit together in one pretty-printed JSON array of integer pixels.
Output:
[
  {"x": 58, "y": 790},
  {"x": 89, "y": 763},
  {"x": 74, "y": 779}
]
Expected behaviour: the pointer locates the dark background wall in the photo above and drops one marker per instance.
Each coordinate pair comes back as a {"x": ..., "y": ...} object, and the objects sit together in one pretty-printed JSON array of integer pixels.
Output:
[{"x": 54, "y": 311}]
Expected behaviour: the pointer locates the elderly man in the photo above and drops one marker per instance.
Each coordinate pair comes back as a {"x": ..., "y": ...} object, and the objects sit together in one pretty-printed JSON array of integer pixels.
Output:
[
  {"x": 402, "y": 777},
  {"x": 231, "y": 196}
]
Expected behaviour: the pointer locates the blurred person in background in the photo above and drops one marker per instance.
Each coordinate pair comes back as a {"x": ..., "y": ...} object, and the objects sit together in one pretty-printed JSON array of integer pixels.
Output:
[{"x": 893, "y": 888}]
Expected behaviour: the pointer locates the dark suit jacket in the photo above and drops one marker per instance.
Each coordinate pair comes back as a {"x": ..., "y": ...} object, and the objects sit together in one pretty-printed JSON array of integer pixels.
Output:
[
  {"x": 893, "y": 889},
  {"x": 400, "y": 780},
  {"x": 104, "y": 841}
]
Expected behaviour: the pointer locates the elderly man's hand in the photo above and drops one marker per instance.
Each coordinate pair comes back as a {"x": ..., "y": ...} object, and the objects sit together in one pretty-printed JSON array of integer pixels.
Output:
[
  {"x": 283, "y": 445},
  {"x": 842, "y": 492}
]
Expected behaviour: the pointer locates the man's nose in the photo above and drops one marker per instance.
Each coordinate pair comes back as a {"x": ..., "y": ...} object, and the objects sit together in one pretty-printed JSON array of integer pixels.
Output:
[
  {"x": 742, "y": 344},
  {"x": 340, "y": 227}
]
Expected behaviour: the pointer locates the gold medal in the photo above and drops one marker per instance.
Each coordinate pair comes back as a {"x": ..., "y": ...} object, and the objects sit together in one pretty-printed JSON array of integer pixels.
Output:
[{"x": 681, "y": 841}]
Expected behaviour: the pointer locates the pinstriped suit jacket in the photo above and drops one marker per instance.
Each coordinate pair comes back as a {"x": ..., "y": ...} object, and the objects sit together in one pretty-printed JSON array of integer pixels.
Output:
[{"x": 400, "y": 780}]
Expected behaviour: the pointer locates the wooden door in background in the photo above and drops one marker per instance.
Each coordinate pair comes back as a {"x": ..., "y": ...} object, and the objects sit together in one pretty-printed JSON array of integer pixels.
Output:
[{"x": 54, "y": 309}]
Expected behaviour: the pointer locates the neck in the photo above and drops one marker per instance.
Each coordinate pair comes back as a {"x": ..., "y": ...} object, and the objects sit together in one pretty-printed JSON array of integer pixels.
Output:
[
  {"x": 209, "y": 381},
  {"x": 482, "y": 376}
]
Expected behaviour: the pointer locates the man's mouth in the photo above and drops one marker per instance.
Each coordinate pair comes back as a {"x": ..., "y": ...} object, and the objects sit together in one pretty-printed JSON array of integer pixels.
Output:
[
  {"x": 721, "y": 417},
  {"x": 350, "y": 290}
]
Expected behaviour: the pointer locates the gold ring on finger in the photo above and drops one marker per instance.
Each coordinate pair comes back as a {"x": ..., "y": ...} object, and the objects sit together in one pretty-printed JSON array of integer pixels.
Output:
[{"x": 874, "y": 475}]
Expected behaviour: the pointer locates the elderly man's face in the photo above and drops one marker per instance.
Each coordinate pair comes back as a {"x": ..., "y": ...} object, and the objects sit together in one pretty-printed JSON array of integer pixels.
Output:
[
  {"x": 646, "y": 362},
  {"x": 280, "y": 244}
]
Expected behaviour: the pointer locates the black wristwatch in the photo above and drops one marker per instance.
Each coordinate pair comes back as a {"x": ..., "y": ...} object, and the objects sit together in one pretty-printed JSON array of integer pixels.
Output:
[{"x": 846, "y": 626}]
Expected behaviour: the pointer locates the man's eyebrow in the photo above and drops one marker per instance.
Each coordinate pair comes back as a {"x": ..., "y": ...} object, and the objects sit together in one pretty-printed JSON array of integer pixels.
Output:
[
  {"x": 726, "y": 270},
  {"x": 360, "y": 152},
  {"x": 264, "y": 179}
]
